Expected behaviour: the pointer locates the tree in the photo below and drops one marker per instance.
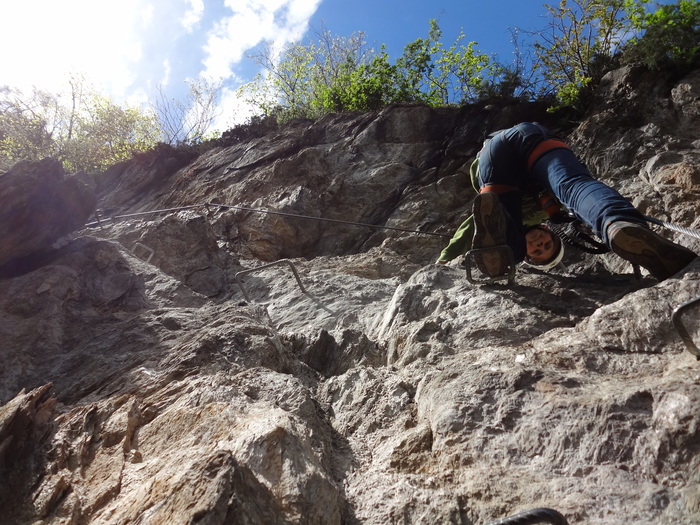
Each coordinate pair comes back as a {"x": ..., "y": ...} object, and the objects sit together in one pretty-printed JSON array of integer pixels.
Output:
[
  {"x": 303, "y": 80},
  {"x": 574, "y": 50},
  {"x": 461, "y": 71},
  {"x": 103, "y": 133},
  {"x": 342, "y": 74},
  {"x": 25, "y": 126},
  {"x": 89, "y": 133},
  {"x": 417, "y": 81},
  {"x": 188, "y": 121},
  {"x": 670, "y": 37},
  {"x": 512, "y": 82},
  {"x": 362, "y": 88}
]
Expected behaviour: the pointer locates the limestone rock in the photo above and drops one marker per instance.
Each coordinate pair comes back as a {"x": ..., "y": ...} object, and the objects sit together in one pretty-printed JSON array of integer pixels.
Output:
[
  {"x": 146, "y": 380},
  {"x": 182, "y": 245},
  {"x": 39, "y": 204}
]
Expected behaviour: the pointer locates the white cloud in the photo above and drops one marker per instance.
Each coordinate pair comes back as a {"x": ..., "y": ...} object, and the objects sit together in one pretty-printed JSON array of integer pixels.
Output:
[
  {"x": 167, "y": 71},
  {"x": 147, "y": 14},
  {"x": 233, "y": 110},
  {"x": 126, "y": 48},
  {"x": 44, "y": 41},
  {"x": 252, "y": 22},
  {"x": 193, "y": 16}
]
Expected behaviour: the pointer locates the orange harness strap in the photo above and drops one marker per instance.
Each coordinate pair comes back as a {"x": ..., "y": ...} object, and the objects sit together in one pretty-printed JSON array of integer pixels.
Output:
[
  {"x": 497, "y": 188},
  {"x": 549, "y": 203},
  {"x": 546, "y": 199},
  {"x": 542, "y": 148}
]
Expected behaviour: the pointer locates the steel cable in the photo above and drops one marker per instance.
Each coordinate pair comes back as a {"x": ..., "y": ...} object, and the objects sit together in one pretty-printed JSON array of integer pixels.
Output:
[
  {"x": 674, "y": 227},
  {"x": 100, "y": 219},
  {"x": 680, "y": 229}
]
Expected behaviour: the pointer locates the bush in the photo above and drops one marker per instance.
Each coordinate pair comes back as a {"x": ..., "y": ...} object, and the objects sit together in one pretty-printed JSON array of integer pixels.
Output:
[
  {"x": 577, "y": 47},
  {"x": 339, "y": 74},
  {"x": 255, "y": 127},
  {"x": 84, "y": 130},
  {"x": 670, "y": 39}
]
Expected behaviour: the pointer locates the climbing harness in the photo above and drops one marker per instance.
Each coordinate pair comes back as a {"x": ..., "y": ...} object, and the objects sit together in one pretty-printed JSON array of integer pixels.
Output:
[
  {"x": 572, "y": 232},
  {"x": 573, "y": 235},
  {"x": 541, "y": 515}
]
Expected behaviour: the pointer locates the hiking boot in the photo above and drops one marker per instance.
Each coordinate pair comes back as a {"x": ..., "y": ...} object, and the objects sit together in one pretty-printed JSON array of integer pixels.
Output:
[
  {"x": 490, "y": 231},
  {"x": 639, "y": 245}
]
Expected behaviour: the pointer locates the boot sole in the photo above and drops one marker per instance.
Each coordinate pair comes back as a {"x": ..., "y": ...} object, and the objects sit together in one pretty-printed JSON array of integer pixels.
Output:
[
  {"x": 639, "y": 245},
  {"x": 489, "y": 231}
]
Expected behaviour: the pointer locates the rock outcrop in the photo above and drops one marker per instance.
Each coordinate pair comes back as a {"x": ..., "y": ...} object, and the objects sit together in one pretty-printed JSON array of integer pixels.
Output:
[
  {"x": 146, "y": 380},
  {"x": 40, "y": 204}
]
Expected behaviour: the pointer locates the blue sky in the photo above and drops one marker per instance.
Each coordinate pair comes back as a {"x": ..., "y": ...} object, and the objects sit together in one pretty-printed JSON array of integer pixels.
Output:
[
  {"x": 129, "y": 48},
  {"x": 398, "y": 22}
]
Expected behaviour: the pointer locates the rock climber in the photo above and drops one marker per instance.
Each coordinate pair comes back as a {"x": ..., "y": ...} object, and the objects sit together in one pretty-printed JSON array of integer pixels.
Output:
[{"x": 524, "y": 175}]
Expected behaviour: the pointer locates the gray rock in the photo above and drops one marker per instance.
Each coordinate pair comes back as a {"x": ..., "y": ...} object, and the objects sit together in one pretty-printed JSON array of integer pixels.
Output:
[
  {"x": 388, "y": 389},
  {"x": 38, "y": 205}
]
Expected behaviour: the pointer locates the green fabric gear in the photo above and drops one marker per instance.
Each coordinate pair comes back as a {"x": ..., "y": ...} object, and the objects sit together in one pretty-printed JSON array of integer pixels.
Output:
[{"x": 461, "y": 241}]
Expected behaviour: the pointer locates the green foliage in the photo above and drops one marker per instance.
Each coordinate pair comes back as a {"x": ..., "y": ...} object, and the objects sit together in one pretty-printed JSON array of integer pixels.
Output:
[
  {"x": 582, "y": 41},
  {"x": 359, "y": 87},
  {"x": 418, "y": 81},
  {"x": 86, "y": 132},
  {"x": 462, "y": 72},
  {"x": 575, "y": 50},
  {"x": 27, "y": 126},
  {"x": 104, "y": 133},
  {"x": 439, "y": 75},
  {"x": 671, "y": 37},
  {"x": 505, "y": 85},
  {"x": 341, "y": 74},
  {"x": 301, "y": 80}
]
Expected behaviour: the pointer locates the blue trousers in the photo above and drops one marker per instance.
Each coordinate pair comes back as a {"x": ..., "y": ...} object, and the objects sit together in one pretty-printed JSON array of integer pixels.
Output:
[{"x": 507, "y": 161}]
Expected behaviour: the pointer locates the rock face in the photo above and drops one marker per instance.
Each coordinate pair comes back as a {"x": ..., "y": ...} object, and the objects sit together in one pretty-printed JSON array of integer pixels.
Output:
[
  {"x": 145, "y": 380},
  {"x": 40, "y": 204}
]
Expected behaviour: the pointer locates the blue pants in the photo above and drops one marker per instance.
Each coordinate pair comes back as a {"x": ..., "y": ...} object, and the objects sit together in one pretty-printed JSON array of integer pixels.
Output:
[{"x": 504, "y": 162}]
